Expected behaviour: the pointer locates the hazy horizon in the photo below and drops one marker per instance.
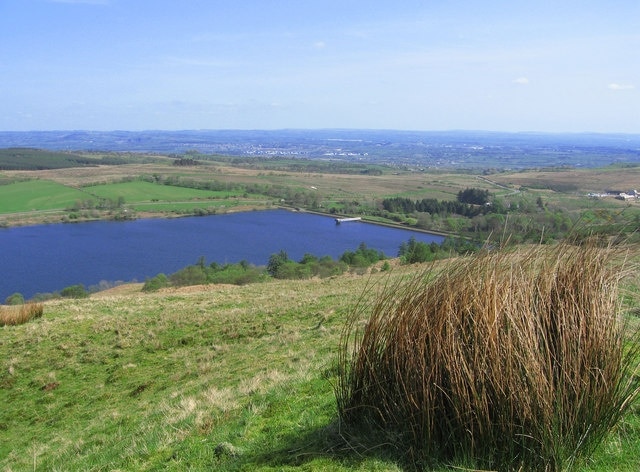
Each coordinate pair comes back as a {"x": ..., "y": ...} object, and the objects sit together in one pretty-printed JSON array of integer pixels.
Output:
[{"x": 319, "y": 129}]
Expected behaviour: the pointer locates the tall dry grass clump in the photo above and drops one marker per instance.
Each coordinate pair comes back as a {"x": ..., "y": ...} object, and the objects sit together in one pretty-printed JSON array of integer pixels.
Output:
[
  {"x": 502, "y": 359},
  {"x": 20, "y": 314}
]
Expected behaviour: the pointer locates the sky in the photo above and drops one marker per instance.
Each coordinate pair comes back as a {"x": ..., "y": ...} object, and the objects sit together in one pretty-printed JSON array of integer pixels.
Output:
[{"x": 548, "y": 66}]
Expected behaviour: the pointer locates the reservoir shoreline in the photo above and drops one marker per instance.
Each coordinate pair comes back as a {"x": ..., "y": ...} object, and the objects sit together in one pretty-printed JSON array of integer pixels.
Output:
[
  {"x": 37, "y": 218},
  {"x": 47, "y": 258}
]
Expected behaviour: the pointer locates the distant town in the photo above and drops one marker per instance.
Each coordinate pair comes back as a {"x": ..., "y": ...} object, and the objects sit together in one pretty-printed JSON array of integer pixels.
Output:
[{"x": 414, "y": 149}]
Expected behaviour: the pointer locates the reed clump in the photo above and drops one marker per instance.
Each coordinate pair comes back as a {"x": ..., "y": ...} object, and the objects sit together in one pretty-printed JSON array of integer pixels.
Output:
[
  {"x": 20, "y": 314},
  {"x": 505, "y": 360}
]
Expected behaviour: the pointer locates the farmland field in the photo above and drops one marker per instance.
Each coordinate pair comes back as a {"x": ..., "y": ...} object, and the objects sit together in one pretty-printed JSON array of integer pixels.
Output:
[
  {"x": 139, "y": 191},
  {"x": 37, "y": 195}
]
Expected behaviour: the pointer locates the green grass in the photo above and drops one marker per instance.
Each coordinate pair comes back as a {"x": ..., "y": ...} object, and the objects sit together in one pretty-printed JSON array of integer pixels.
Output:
[
  {"x": 212, "y": 205},
  {"x": 37, "y": 195},
  {"x": 132, "y": 381},
  {"x": 140, "y": 191},
  {"x": 157, "y": 381}
]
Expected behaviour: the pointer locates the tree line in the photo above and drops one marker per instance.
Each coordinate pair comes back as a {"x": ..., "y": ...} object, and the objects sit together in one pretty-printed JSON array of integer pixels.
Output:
[
  {"x": 433, "y": 206},
  {"x": 280, "y": 266},
  {"x": 469, "y": 203}
]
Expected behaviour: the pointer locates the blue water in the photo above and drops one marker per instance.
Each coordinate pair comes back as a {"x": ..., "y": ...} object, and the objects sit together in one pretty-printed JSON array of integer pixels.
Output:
[{"x": 47, "y": 258}]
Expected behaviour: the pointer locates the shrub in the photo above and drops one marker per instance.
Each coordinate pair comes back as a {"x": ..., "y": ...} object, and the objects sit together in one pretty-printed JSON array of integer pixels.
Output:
[
  {"x": 416, "y": 251},
  {"x": 508, "y": 360},
  {"x": 276, "y": 261},
  {"x": 362, "y": 257},
  {"x": 281, "y": 267},
  {"x": 474, "y": 196},
  {"x": 74, "y": 291},
  {"x": 14, "y": 299},
  {"x": 16, "y": 315},
  {"x": 43, "y": 297},
  {"x": 190, "y": 275},
  {"x": 237, "y": 274},
  {"x": 327, "y": 267},
  {"x": 155, "y": 283},
  {"x": 293, "y": 270}
]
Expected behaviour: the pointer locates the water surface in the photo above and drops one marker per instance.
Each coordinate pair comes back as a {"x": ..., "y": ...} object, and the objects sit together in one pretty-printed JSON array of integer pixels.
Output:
[{"x": 47, "y": 258}]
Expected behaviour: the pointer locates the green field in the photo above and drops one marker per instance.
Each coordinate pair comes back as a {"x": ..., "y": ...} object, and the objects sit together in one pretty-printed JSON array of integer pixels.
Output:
[
  {"x": 140, "y": 191},
  {"x": 39, "y": 195},
  {"x": 191, "y": 206},
  {"x": 40, "y": 200}
]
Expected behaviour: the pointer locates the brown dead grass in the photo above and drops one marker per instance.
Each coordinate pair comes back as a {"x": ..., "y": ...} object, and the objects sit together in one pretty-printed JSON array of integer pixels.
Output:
[
  {"x": 119, "y": 291},
  {"x": 584, "y": 180},
  {"x": 512, "y": 359},
  {"x": 20, "y": 314}
]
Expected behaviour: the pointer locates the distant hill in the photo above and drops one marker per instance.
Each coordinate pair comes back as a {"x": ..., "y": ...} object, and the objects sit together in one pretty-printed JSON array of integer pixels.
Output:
[
  {"x": 422, "y": 149},
  {"x": 36, "y": 159},
  {"x": 16, "y": 158}
]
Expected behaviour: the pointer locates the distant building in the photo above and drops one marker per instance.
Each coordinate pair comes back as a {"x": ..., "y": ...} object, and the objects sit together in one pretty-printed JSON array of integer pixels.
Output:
[{"x": 630, "y": 195}]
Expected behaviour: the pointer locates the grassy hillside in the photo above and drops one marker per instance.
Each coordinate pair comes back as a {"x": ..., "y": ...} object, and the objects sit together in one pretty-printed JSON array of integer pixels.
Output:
[
  {"x": 140, "y": 191},
  {"x": 157, "y": 381},
  {"x": 204, "y": 378},
  {"x": 37, "y": 195}
]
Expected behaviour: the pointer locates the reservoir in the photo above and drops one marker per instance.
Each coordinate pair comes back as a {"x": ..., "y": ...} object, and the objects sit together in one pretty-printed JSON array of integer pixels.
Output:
[{"x": 48, "y": 258}]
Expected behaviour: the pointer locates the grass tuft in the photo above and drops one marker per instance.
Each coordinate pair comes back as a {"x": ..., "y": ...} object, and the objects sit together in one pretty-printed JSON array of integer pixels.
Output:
[
  {"x": 504, "y": 360},
  {"x": 20, "y": 314}
]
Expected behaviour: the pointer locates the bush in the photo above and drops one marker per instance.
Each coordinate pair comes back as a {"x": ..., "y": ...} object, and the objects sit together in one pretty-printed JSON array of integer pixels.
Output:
[
  {"x": 21, "y": 314},
  {"x": 416, "y": 251},
  {"x": 43, "y": 297},
  {"x": 156, "y": 283},
  {"x": 362, "y": 257},
  {"x": 236, "y": 274},
  {"x": 276, "y": 261},
  {"x": 473, "y": 196},
  {"x": 293, "y": 270},
  {"x": 14, "y": 299},
  {"x": 74, "y": 291},
  {"x": 510, "y": 360},
  {"x": 281, "y": 267},
  {"x": 190, "y": 275}
]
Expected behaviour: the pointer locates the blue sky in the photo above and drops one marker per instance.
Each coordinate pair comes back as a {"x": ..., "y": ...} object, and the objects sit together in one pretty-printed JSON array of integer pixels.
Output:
[{"x": 557, "y": 66}]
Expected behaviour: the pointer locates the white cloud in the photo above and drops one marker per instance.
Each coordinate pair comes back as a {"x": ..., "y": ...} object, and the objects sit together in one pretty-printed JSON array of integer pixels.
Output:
[
  {"x": 521, "y": 81},
  {"x": 319, "y": 45},
  {"x": 615, "y": 86}
]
